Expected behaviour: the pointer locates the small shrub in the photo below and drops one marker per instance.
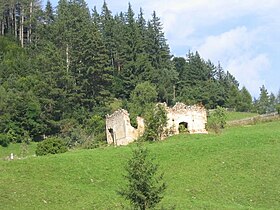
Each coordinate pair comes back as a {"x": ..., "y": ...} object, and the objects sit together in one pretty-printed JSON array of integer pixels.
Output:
[
  {"x": 4, "y": 140},
  {"x": 183, "y": 129},
  {"x": 217, "y": 120},
  {"x": 51, "y": 146}
]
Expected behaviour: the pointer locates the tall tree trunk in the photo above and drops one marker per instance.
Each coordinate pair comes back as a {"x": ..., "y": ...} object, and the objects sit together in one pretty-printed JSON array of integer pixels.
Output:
[
  {"x": 2, "y": 27},
  {"x": 15, "y": 22},
  {"x": 67, "y": 58},
  {"x": 21, "y": 26},
  {"x": 11, "y": 17},
  {"x": 30, "y": 22},
  {"x": 8, "y": 22},
  {"x": 174, "y": 93}
]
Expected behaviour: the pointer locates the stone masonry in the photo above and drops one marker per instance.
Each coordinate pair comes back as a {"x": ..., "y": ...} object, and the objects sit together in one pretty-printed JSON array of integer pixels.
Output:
[
  {"x": 120, "y": 132},
  {"x": 193, "y": 118}
]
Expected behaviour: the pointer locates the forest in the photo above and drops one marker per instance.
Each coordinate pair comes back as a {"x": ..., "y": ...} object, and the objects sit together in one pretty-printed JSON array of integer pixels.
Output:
[{"x": 63, "y": 69}]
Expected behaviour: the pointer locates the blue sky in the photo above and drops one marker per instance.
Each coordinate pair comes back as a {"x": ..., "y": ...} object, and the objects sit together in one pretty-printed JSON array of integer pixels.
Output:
[{"x": 243, "y": 35}]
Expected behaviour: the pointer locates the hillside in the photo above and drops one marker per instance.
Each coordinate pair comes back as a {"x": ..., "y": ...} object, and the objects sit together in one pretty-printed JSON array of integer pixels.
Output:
[
  {"x": 239, "y": 115},
  {"x": 237, "y": 169}
]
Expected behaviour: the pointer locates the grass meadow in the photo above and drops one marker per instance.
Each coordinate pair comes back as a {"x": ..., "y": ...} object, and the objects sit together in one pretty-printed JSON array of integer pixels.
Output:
[
  {"x": 239, "y": 115},
  {"x": 237, "y": 169}
]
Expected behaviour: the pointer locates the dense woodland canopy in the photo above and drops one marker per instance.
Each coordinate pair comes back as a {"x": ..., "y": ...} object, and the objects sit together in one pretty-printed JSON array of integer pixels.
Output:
[{"x": 62, "y": 69}]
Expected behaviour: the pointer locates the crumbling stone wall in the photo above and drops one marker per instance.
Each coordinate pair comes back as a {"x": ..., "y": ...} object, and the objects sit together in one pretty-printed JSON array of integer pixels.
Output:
[
  {"x": 120, "y": 132},
  {"x": 194, "y": 118}
]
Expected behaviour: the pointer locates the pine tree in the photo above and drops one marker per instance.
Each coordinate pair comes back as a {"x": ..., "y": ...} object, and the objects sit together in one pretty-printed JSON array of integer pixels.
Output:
[
  {"x": 96, "y": 18},
  {"x": 145, "y": 186},
  {"x": 163, "y": 73},
  {"x": 263, "y": 101},
  {"x": 278, "y": 97},
  {"x": 49, "y": 13},
  {"x": 272, "y": 103},
  {"x": 278, "y": 102},
  {"x": 107, "y": 26},
  {"x": 135, "y": 62},
  {"x": 234, "y": 98},
  {"x": 246, "y": 101}
]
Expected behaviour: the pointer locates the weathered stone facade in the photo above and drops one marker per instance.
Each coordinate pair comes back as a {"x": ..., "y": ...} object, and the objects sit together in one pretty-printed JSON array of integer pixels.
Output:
[
  {"x": 193, "y": 118},
  {"x": 120, "y": 132}
]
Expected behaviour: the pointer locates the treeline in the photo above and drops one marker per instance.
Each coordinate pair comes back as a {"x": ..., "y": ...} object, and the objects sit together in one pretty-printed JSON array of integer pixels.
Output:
[{"x": 63, "y": 69}]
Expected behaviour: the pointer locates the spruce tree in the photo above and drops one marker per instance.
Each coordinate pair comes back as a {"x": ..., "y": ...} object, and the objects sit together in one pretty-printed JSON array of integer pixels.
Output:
[
  {"x": 145, "y": 186},
  {"x": 163, "y": 73},
  {"x": 246, "y": 101},
  {"x": 107, "y": 30},
  {"x": 263, "y": 101},
  {"x": 49, "y": 13},
  {"x": 272, "y": 103}
]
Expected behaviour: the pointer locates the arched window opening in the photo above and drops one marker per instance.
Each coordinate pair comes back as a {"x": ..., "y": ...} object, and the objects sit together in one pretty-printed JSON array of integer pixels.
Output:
[{"x": 183, "y": 127}]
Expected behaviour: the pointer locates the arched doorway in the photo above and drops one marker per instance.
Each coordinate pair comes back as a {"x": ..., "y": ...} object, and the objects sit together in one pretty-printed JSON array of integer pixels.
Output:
[
  {"x": 111, "y": 131},
  {"x": 183, "y": 127}
]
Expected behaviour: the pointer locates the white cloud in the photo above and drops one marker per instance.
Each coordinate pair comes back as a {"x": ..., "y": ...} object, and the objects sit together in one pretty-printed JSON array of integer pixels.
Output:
[
  {"x": 248, "y": 71},
  {"x": 227, "y": 45},
  {"x": 235, "y": 49}
]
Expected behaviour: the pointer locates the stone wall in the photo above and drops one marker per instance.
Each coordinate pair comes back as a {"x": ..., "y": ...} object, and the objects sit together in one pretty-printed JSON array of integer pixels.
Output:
[
  {"x": 120, "y": 132},
  {"x": 194, "y": 118}
]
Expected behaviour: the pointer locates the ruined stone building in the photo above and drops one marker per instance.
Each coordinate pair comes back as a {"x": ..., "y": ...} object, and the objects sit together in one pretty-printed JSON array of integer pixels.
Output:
[
  {"x": 120, "y": 132},
  {"x": 192, "y": 118}
]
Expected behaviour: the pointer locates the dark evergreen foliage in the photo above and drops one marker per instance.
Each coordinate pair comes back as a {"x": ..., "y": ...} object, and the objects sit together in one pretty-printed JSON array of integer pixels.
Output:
[
  {"x": 59, "y": 67},
  {"x": 145, "y": 185},
  {"x": 51, "y": 146}
]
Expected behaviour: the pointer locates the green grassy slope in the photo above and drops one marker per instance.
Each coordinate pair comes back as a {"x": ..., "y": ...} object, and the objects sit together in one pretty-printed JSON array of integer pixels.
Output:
[
  {"x": 238, "y": 169},
  {"x": 18, "y": 150},
  {"x": 239, "y": 115}
]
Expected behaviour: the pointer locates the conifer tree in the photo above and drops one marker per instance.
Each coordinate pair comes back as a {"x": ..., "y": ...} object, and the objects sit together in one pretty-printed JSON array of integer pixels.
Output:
[
  {"x": 272, "y": 103},
  {"x": 246, "y": 101},
  {"x": 263, "y": 101},
  {"x": 163, "y": 73},
  {"x": 107, "y": 26},
  {"x": 49, "y": 13},
  {"x": 234, "y": 98},
  {"x": 145, "y": 186}
]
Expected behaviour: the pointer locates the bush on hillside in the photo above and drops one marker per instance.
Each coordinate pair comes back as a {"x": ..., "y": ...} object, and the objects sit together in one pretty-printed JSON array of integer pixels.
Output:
[
  {"x": 51, "y": 146},
  {"x": 4, "y": 140},
  {"x": 217, "y": 119}
]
